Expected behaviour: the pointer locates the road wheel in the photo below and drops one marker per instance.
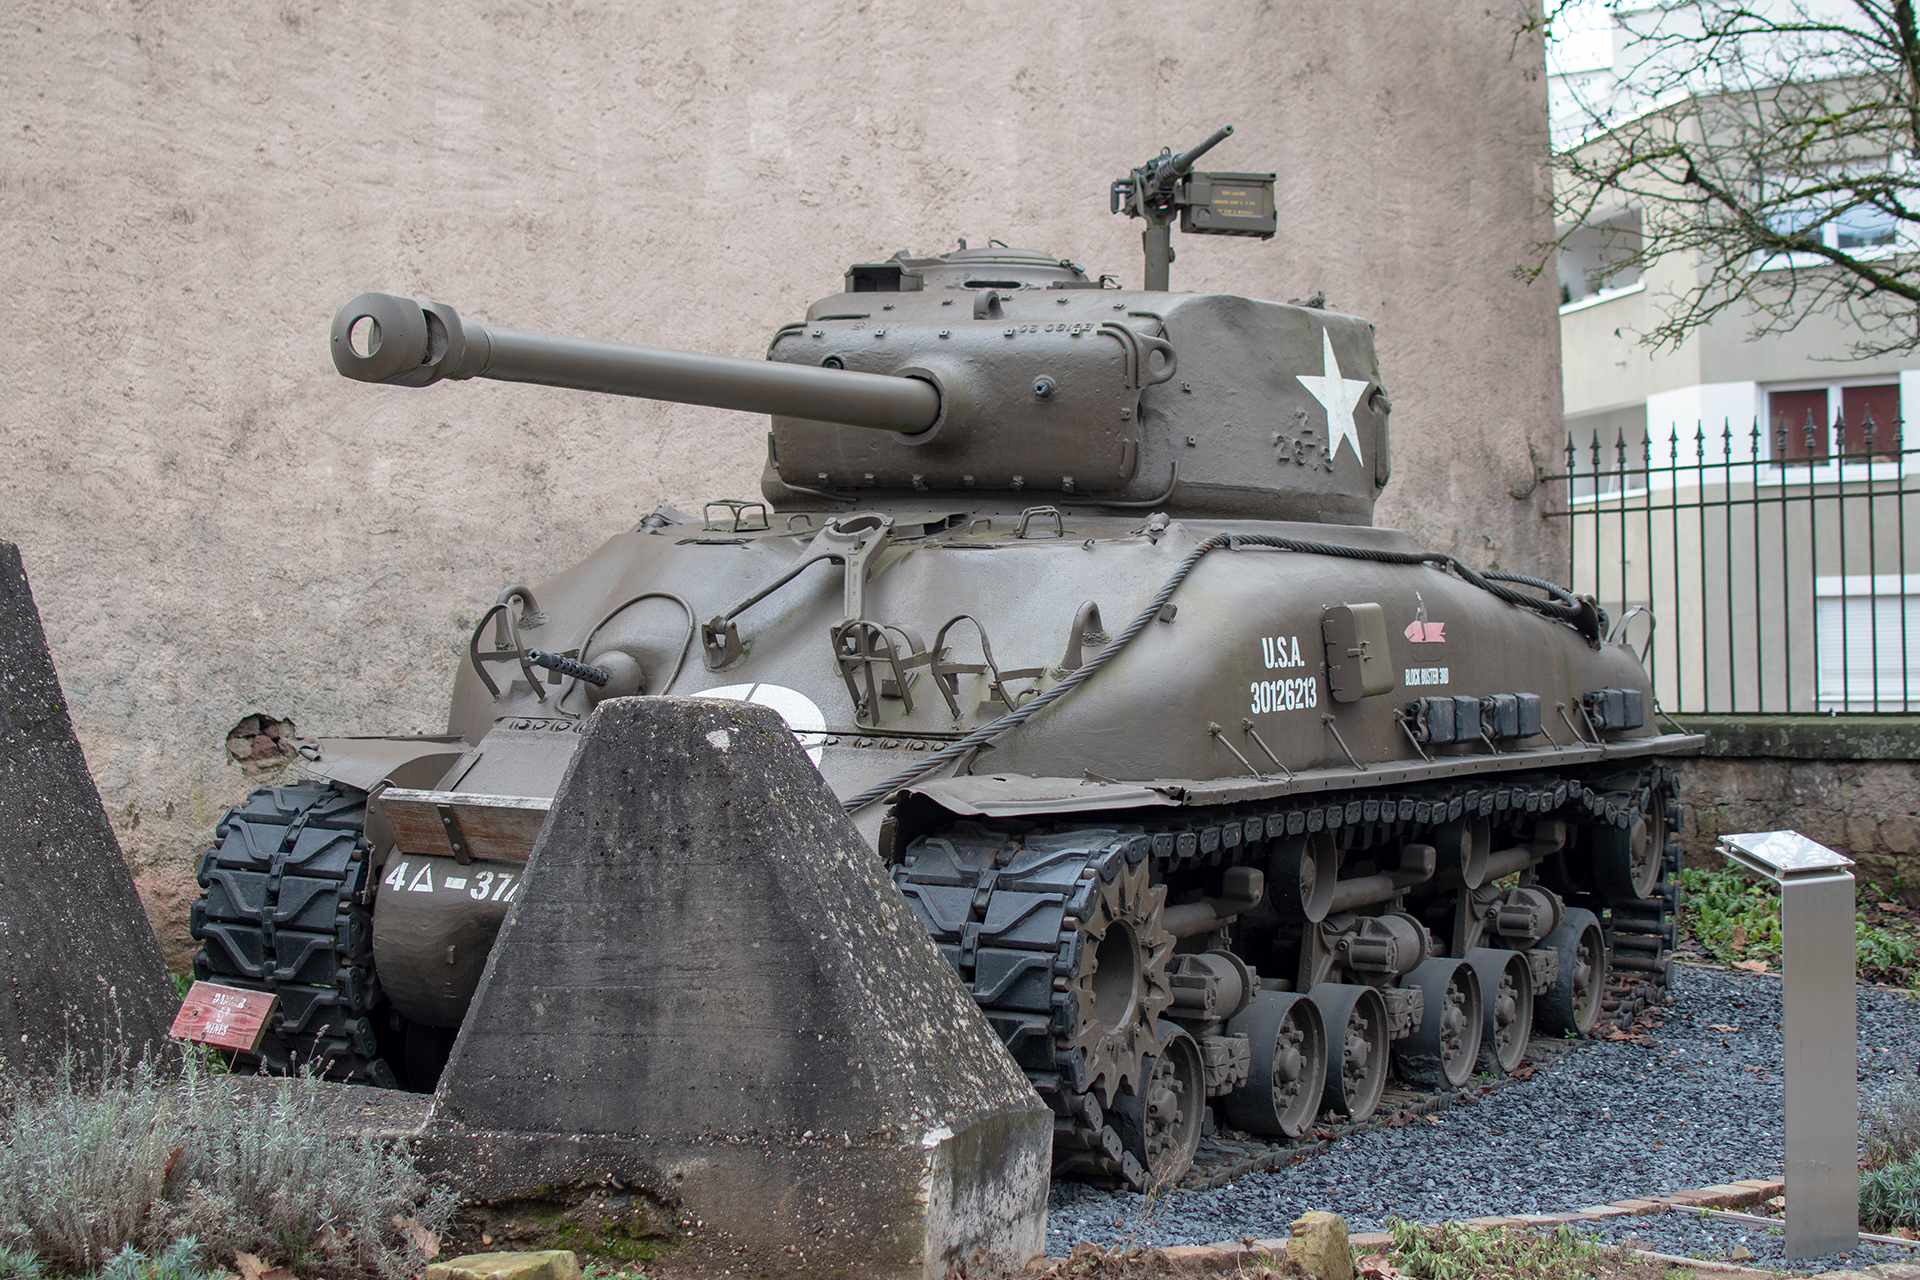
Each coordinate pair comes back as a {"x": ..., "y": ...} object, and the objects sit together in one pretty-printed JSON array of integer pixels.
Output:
[{"x": 1161, "y": 1124}]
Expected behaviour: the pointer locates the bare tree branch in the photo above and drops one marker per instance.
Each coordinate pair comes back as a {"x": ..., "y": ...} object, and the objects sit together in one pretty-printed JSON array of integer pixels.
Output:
[{"x": 1776, "y": 146}]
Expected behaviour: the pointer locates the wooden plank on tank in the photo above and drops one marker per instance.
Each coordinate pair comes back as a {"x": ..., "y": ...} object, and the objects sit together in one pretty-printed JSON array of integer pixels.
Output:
[{"x": 463, "y": 825}]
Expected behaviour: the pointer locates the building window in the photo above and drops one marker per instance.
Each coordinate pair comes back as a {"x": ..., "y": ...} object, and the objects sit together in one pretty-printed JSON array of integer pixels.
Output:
[
  {"x": 1598, "y": 259},
  {"x": 1868, "y": 642},
  {"x": 1856, "y": 226},
  {"x": 1795, "y": 412},
  {"x": 1864, "y": 227}
]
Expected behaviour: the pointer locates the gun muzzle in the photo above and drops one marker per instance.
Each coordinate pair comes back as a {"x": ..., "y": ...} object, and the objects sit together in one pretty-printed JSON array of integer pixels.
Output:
[{"x": 1183, "y": 163}]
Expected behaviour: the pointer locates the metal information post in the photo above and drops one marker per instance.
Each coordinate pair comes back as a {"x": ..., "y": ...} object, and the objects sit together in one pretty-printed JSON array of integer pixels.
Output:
[{"x": 1819, "y": 1028}]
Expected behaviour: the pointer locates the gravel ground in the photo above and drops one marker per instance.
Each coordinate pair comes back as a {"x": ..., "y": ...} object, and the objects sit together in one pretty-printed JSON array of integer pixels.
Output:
[{"x": 1692, "y": 1102}]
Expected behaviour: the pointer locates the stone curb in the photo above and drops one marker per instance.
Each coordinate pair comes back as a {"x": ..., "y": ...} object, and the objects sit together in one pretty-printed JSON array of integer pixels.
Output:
[{"x": 1202, "y": 1259}]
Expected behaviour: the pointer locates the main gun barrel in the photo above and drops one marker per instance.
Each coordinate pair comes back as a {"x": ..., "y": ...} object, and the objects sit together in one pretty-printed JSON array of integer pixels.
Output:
[{"x": 378, "y": 337}]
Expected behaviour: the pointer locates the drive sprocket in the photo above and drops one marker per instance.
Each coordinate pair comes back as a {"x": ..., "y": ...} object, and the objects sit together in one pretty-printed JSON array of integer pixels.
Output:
[{"x": 1058, "y": 938}]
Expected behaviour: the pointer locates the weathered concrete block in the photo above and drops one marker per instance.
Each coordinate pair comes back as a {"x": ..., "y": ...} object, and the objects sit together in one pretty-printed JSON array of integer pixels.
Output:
[
  {"x": 543, "y": 1264},
  {"x": 1317, "y": 1244},
  {"x": 82, "y": 970},
  {"x": 709, "y": 987}
]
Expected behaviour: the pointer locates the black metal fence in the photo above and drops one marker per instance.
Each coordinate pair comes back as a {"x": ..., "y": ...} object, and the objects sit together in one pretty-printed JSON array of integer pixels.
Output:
[{"x": 1755, "y": 572}]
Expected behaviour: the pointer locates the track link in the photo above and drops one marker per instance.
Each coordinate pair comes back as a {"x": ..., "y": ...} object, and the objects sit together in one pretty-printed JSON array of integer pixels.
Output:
[{"x": 282, "y": 909}]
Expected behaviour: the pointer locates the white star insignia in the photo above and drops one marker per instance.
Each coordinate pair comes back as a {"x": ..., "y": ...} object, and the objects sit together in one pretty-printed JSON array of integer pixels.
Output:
[{"x": 1340, "y": 396}]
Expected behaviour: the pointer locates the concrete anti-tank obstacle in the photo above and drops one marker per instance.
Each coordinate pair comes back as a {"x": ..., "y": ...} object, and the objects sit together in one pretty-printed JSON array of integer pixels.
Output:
[
  {"x": 709, "y": 987},
  {"x": 82, "y": 969}
]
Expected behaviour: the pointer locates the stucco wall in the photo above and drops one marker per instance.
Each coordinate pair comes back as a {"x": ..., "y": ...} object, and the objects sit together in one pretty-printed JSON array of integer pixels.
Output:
[{"x": 216, "y": 523}]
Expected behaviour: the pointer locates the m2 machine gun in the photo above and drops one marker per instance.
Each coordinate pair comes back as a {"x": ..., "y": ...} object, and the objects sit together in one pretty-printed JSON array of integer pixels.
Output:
[{"x": 1208, "y": 204}]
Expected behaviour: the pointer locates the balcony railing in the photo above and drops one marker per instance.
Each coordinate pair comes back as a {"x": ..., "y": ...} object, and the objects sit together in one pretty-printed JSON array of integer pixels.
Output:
[{"x": 1751, "y": 580}]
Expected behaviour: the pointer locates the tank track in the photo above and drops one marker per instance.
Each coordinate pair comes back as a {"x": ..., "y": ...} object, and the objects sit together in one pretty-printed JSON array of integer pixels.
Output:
[
  {"x": 1024, "y": 937},
  {"x": 1004, "y": 942},
  {"x": 1641, "y": 932},
  {"x": 283, "y": 909}
]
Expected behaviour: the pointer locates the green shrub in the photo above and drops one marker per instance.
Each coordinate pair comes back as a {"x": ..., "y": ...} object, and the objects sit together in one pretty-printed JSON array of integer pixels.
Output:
[
  {"x": 178, "y": 1261},
  {"x": 118, "y": 1176},
  {"x": 1890, "y": 1186},
  {"x": 1891, "y": 1134},
  {"x": 82, "y": 1166},
  {"x": 1733, "y": 917},
  {"x": 1890, "y": 1196},
  {"x": 1882, "y": 955},
  {"x": 18, "y": 1264}
]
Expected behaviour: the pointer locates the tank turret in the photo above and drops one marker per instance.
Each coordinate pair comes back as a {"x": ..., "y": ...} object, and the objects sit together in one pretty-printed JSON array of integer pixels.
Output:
[{"x": 999, "y": 377}]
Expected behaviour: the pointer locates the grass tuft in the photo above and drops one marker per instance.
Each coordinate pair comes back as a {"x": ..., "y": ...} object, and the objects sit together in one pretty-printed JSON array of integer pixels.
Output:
[
  {"x": 178, "y": 1261},
  {"x": 1890, "y": 1196},
  {"x": 1457, "y": 1251},
  {"x": 18, "y": 1264}
]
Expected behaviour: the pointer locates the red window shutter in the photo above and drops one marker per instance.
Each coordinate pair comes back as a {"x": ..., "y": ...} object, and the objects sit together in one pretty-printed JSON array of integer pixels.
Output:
[
  {"x": 1883, "y": 402},
  {"x": 1787, "y": 414}
]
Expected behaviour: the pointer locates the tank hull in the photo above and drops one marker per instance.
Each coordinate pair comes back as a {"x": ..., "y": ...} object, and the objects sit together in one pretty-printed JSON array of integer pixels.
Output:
[
  {"x": 1243, "y": 620},
  {"x": 1215, "y": 735}
]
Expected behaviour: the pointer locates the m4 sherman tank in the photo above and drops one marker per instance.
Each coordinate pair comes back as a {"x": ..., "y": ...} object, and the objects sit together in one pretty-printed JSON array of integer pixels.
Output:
[{"x": 1214, "y": 794}]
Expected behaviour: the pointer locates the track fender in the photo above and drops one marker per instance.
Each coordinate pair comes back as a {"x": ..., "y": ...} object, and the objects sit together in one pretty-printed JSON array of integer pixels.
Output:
[{"x": 367, "y": 762}]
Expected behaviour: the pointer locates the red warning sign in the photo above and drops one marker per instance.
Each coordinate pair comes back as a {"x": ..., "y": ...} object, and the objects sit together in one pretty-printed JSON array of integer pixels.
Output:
[{"x": 224, "y": 1017}]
